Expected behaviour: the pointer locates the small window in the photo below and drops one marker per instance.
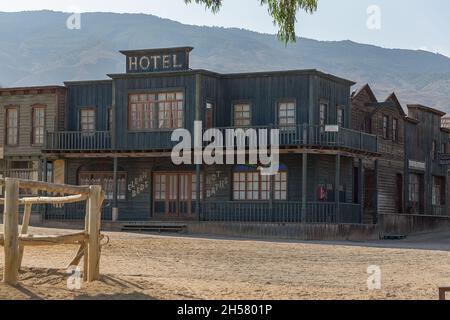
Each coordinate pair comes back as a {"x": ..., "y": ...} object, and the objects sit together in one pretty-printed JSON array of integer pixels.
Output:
[
  {"x": 250, "y": 185},
  {"x": 38, "y": 125},
  {"x": 395, "y": 130},
  {"x": 414, "y": 188},
  {"x": 242, "y": 116},
  {"x": 12, "y": 126},
  {"x": 286, "y": 115},
  {"x": 434, "y": 150},
  {"x": 209, "y": 115},
  {"x": 87, "y": 120},
  {"x": 385, "y": 127},
  {"x": 340, "y": 117}
]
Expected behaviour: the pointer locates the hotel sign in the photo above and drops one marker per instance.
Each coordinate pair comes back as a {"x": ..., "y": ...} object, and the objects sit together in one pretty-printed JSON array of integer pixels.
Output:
[{"x": 157, "y": 60}]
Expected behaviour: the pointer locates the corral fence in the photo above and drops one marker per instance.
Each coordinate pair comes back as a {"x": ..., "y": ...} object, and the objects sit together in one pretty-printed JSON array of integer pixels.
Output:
[{"x": 14, "y": 243}]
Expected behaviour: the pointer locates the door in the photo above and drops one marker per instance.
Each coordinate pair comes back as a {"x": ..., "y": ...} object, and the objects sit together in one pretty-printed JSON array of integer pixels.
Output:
[{"x": 173, "y": 195}]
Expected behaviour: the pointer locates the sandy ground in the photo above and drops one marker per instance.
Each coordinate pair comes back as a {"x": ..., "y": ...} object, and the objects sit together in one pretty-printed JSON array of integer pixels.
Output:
[{"x": 136, "y": 266}]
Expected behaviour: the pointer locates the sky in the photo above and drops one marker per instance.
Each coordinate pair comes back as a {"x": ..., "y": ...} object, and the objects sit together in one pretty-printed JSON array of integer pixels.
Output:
[{"x": 408, "y": 24}]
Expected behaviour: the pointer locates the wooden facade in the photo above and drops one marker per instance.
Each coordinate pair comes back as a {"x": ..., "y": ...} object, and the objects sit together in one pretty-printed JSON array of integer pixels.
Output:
[
  {"x": 340, "y": 160},
  {"x": 411, "y": 178},
  {"x": 25, "y": 115}
]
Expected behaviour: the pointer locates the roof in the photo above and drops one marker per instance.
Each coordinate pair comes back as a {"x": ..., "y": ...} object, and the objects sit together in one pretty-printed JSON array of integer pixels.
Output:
[
  {"x": 52, "y": 87},
  {"x": 367, "y": 89},
  {"x": 426, "y": 109},
  {"x": 393, "y": 98},
  {"x": 155, "y": 50},
  {"x": 82, "y": 82},
  {"x": 236, "y": 75}
]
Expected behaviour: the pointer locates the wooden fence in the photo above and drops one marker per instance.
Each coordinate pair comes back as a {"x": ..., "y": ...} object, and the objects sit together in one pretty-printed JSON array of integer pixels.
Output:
[{"x": 14, "y": 243}]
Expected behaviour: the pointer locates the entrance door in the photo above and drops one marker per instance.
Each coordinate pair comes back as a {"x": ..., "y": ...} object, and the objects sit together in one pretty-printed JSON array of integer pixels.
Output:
[{"x": 173, "y": 195}]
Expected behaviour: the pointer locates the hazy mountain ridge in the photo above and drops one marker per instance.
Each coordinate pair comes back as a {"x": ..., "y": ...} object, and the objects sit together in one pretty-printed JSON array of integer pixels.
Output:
[{"x": 38, "y": 49}]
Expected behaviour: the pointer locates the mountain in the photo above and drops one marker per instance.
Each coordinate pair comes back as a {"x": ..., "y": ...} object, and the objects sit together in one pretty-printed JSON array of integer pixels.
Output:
[{"x": 37, "y": 49}]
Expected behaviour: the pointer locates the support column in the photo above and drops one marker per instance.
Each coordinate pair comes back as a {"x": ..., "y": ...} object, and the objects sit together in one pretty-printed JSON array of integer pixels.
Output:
[
  {"x": 198, "y": 117},
  {"x": 304, "y": 185},
  {"x": 375, "y": 194},
  {"x": 337, "y": 182},
  {"x": 271, "y": 197},
  {"x": 11, "y": 233},
  {"x": 115, "y": 209},
  {"x": 361, "y": 189}
]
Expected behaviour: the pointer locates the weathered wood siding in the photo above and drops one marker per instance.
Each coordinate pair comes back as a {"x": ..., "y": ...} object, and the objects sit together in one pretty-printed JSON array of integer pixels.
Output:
[{"x": 54, "y": 102}]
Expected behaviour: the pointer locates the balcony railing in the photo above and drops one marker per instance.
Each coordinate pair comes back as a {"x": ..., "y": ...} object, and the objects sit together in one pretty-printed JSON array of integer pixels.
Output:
[
  {"x": 312, "y": 136},
  {"x": 78, "y": 141},
  {"x": 280, "y": 212},
  {"x": 293, "y": 136}
]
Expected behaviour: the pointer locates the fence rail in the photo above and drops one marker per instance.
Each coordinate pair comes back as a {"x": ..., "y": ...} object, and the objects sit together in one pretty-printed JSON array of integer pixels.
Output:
[
  {"x": 280, "y": 212},
  {"x": 78, "y": 141}
]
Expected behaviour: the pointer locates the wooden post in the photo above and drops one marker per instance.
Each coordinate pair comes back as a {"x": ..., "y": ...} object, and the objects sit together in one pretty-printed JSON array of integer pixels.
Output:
[
  {"x": 115, "y": 209},
  {"x": 337, "y": 182},
  {"x": 24, "y": 230},
  {"x": 94, "y": 219},
  {"x": 375, "y": 194},
  {"x": 11, "y": 231},
  {"x": 86, "y": 230},
  {"x": 304, "y": 185},
  {"x": 361, "y": 189}
]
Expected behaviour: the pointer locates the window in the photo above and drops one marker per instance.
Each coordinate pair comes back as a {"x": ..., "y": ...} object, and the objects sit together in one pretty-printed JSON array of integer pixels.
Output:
[
  {"x": 286, "y": 114},
  {"x": 250, "y": 185},
  {"x": 340, "y": 117},
  {"x": 414, "y": 187},
  {"x": 153, "y": 111},
  {"x": 395, "y": 130},
  {"x": 87, "y": 123},
  {"x": 38, "y": 125},
  {"x": 433, "y": 150},
  {"x": 12, "y": 126},
  {"x": 242, "y": 115},
  {"x": 110, "y": 119},
  {"x": 106, "y": 181},
  {"x": 437, "y": 191},
  {"x": 323, "y": 110},
  {"x": 385, "y": 127}
]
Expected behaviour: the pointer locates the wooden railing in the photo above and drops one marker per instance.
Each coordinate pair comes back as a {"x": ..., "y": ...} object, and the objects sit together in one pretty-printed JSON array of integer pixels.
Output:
[
  {"x": 312, "y": 136},
  {"x": 280, "y": 212},
  {"x": 78, "y": 141}
]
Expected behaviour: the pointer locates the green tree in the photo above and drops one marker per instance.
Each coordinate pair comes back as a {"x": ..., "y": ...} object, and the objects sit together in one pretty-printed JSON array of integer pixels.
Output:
[{"x": 283, "y": 13}]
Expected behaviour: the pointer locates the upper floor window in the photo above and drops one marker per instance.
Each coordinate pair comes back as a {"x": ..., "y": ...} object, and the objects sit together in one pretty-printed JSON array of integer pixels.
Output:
[
  {"x": 434, "y": 150},
  {"x": 323, "y": 111},
  {"x": 87, "y": 120},
  {"x": 12, "y": 126},
  {"x": 38, "y": 125},
  {"x": 163, "y": 110},
  {"x": 286, "y": 114},
  {"x": 385, "y": 127},
  {"x": 110, "y": 119},
  {"x": 209, "y": 115},
  {"x": 395, "y": 130},
  {"x": 340, "y": 117},
  {"x": 242, "y": 116}
]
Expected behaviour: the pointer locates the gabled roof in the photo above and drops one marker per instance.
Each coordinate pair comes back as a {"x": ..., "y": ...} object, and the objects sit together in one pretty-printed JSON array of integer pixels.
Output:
[
  {"x": 365, "y": 88},
  {"x": 393, "y": 98},
  {"x": 426, "y": 109}
]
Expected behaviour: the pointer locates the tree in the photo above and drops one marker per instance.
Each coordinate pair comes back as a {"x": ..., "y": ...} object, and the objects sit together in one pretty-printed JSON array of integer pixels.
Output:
[{"x": 283, "y": 13}]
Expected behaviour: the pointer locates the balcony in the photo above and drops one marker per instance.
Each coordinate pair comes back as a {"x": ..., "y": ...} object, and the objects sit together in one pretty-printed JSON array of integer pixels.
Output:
[
  {"x": 294, "y": 136},
  {"x": 311, "y": 136},
  {"x": 76, "y": 141}
]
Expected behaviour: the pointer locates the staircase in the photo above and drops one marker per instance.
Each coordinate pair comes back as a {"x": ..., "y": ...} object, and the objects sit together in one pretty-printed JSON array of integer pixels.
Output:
[{"x": 153, "y": 227}]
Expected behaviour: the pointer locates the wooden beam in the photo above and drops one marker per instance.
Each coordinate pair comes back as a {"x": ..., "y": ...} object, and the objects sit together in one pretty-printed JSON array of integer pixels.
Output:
[
  {"x": 50, "y": 200},
  {"x": 93, "y": 248},
  {"x": 37, "y": 241},
  {"x": 11, "y": 231},
  {"x": 50, "y": 187},
  {"x": 23, "y": 231}
]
